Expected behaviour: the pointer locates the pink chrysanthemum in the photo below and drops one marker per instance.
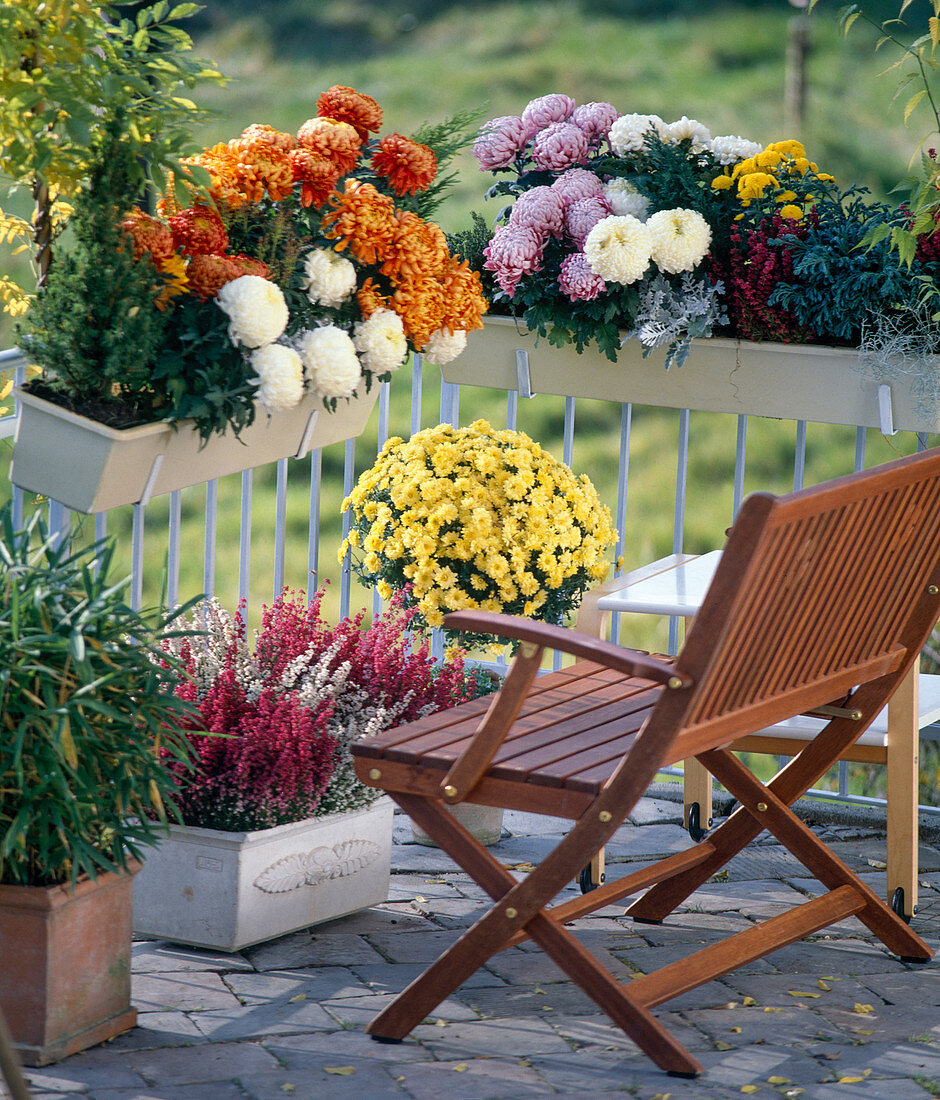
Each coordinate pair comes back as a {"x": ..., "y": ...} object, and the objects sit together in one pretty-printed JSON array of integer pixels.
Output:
[
  {"x": 577, "y": 183},
  {"x": 595, "y": 119},
  {"x": 499, "y": 141},
  {"x": 583, "y": 215},
  {"x": 540, "y": 209},
  {"x": 512, "y": 253},
  {"x": 578, "y": 281},
  {"x": 545, "y": 110},
  {"x": 560, "y": 145}
]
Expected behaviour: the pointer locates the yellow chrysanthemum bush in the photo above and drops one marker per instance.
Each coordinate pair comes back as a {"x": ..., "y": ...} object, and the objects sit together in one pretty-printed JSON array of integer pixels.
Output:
[{"x": 475, "y": 517}]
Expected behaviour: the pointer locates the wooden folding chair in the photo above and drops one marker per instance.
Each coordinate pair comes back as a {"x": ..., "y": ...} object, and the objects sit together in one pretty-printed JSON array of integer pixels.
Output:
[{"x": 822, "y": 597}]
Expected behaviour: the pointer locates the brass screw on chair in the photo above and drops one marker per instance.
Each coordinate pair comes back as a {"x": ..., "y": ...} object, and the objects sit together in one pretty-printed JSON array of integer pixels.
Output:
[
  {"x": 762, "y": 807},
  {"x": 450, "y": 790},
  {"x": 375, "y": 774},
  {"x": 512, "y": 913},
  {"x": 932, "y": 589},
  {"x": 605, "y": 816},
  {"x": 674, "y": 682}
]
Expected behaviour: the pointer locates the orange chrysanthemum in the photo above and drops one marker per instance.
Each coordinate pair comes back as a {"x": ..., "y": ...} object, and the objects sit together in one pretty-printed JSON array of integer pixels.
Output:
[
  {"x": 148, "y": 235},
  {"x": 316, "y": 175},
  {"x": 267, "y": 135},
  {"x": 370, "y": 299},
  {"x": 334, "y": 140},
  {"x": 198, "y": 229},
  {"x": 356, "y": 108},
  {"x": 248, "y": 265},
  {"x": 420, "y": 305},
  {"x": 248, "y": 168},
  {"x": 418, "y": 249},
  {"x": 463, "y": 294},
  {"x": 362, "y": 220},
  {"x": 407, "y": 165}
]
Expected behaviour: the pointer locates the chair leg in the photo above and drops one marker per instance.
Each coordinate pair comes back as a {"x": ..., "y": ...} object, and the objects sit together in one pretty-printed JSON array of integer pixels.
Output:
[
  {"x": 903, "y": 746},
  {"x": 492, "y": 932}
]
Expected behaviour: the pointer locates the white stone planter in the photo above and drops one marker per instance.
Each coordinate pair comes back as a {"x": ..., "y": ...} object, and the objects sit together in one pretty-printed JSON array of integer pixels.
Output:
[
  {"x": 786, "y": 381},
  {"x": 91, "y": 468},
  {"x": 209, "y": 888},
  {"x": 485, "y": 823}
]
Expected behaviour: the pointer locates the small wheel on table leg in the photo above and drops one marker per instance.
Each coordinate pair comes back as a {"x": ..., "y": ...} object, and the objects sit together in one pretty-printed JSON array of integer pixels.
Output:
[
  {"x": 696, "y": 832},
  {"x": 897, "y": 905},
  {"x": 586, "y": 881}
]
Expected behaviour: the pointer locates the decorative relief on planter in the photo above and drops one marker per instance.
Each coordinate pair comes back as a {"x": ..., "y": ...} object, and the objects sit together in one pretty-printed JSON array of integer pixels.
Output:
[{"x": 318, "y": 865}]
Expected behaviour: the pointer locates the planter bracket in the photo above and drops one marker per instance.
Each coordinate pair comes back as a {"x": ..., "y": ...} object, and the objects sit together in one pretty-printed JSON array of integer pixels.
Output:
[
  {"x": 308, "y": 434},
  {"x": 885, "y": 412},
  {"x": 151, "y": 480},
  {"x": 523, "y": 379}
]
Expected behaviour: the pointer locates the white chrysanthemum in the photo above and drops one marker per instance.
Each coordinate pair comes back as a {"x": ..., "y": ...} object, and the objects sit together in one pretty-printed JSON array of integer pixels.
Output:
[
  {"x": 629, "y": 132},
  {"x": 731, "y": 148},
  {"x": 330, "y": 278},
  {"x": 444, "y": 345},
  {"x": 618, "y": 249},
  {"x": 680, "y": 239},
  {"x": 329, "y": 358},
  {"x": 687, "y": 128},
  {"x": 256, "y": 310},
  {"x": 280, "y": 376},
  {"x": 623, "y": 198},
  {"x": 380, "y": 341}
]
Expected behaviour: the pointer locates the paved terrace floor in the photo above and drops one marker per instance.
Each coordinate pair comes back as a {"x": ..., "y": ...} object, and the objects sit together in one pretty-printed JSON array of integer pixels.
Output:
[{"x": 837, "y": 1017}]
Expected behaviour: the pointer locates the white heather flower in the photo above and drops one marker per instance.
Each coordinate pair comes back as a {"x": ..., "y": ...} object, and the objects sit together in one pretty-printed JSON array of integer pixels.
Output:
[
  {"x": 280, "y": 376},
  {"x": 256, "y": 310},
  {"x": 687, "y": 128},
  {"x": 444, "y": 345},
  {"x": 380, "y": 341},
  {"x": 618, "y": 249},
  {"x": 628, "y": 133},
  {"x": 730, "y": 149},
  {"x": 623, "y": 198},
  {"x": 330, "y": 360},
  {"x": 330, "y": 278},
  {"x": 680, "y": 239}
]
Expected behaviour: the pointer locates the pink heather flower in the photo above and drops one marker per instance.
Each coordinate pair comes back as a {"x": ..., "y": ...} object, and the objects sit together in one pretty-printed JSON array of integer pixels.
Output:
[
  {"x": 540, "y": 209},
  {"x": 512, "y": 253},
  {"x": 577, "y": 183},
  {"x": 577, "y": 280},
  {"x": 595, "y": 119},
  {"x": 583, "y": 215},
  {"x": 546, "y": 109},
  {"x": 498, "y": 142},
  {"x": 560, "y": 145}
]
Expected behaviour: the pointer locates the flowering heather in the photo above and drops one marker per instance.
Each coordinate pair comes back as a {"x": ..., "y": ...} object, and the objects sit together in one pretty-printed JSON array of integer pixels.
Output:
[
  {"x": 755, "y": 269},
  {"x": 289, "y": 707}
]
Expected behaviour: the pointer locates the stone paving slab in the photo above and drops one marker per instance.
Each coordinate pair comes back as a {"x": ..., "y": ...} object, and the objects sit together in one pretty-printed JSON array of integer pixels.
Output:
[{"x": 287, "y": 1018}]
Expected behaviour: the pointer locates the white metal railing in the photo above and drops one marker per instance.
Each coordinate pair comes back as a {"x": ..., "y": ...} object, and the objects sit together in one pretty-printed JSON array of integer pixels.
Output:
[{"x": 448, "y": 410}]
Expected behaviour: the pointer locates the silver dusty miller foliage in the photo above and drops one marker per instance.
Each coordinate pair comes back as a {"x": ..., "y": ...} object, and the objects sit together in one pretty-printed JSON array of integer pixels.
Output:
[
  {"x": 903, "y": 343},
  {"x": 676, "y": 315}
]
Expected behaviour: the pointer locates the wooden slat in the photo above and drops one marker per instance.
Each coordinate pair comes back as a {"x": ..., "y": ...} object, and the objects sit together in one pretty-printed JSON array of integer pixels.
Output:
[{"x": 776, "y": 932}]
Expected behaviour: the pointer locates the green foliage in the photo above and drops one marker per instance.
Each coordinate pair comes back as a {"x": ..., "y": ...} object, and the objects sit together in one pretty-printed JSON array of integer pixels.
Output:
[
  {"x": 95, "y": 325},
  {"x": 85, "y": 708},
  {"x": 836, "y": 280},
  {"x": 445, "y": 140},
  {"x": 68, "y": 65}
]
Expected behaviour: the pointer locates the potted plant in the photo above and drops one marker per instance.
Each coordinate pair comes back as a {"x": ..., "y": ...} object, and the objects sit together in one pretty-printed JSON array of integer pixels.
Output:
[
  {"x": 249, "y": 325},
  {"x": 459, "y": 518},
  {"x": 87, "y": 715},
  {"x": 277, "y": 833},
  {"x": 626, "y": 237}
]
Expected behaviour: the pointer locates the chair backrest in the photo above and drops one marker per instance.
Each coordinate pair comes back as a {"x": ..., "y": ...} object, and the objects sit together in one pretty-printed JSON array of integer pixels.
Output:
[{"x": 817, "y": 592}]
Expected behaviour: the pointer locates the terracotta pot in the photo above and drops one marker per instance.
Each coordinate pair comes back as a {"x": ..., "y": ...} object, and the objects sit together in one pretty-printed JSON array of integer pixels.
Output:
[
  {"x": 65, "y": 978},
  {"x": 786, "y": 381},
  {"x": 227, "y": 890},
  {"x": 91, "y": 468}
]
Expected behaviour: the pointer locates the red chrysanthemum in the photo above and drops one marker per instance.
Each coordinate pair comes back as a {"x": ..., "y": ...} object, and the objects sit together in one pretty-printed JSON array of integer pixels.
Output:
[
  {"x": 198, "y": 230},
  {"x": 207, "y": 274},
  {"x": 148, "y": 235},
  {"x": 407, "y": 165},
  {"x": 316, "y": 175},
  {"x": 356, "y": 108}
]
